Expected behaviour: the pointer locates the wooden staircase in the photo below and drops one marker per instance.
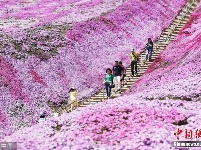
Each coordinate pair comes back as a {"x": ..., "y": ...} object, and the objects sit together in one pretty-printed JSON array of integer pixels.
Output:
[{"x": 159, "y": 45}]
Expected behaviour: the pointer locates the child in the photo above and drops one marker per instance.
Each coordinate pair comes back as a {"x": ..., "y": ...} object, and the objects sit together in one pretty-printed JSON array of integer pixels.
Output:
[{"x": 74, "y": 103}]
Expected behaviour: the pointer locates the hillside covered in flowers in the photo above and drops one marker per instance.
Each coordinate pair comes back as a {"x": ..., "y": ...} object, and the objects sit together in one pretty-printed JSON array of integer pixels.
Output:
[
  {"x": 166, "y": 98},
  {"x": 49, "y": 46}
]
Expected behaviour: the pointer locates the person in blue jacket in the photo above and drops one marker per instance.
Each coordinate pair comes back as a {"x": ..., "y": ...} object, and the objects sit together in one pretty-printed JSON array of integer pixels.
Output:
[{"x": 149, "y": 49}]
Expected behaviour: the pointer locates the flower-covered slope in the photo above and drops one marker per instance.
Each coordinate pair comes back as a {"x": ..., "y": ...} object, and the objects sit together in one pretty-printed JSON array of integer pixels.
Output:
[
  {"x": 176, "y": 72},
  {"x": 25, "y": 14},
  {"x": 43, "y": 62},
  {"x": 132, "y": 121},
  {"x": 122, "y": 123}
]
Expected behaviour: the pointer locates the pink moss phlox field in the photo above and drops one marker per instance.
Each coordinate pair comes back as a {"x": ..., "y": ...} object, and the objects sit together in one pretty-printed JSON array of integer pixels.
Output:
[
  {"x": 69, "y": 47},
  {"x": 9, "y": 78},
  {"x": 176, "y": 72},
  {"x": 122, "y": 123},
  {"x": 38, "y": 13}
]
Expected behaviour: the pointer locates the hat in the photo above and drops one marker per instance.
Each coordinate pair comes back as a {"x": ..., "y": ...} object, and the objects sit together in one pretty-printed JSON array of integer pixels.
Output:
[{"x": 43, "y": 113}]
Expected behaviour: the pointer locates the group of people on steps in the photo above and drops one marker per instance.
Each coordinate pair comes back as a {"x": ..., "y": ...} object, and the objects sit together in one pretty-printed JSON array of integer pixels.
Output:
[
  {"x": 117, "y": 74},
  {"x": 114, "y": 77}
]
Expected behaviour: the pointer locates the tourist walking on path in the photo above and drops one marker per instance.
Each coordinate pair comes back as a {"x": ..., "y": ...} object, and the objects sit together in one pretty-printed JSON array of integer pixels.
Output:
[
  {"x": 123, "y": 73},
  {"x": 149, "y": 49},
  {"x": 73, "y": 93},
  {"x": 108, "y": 82},
  {"x": 134, "y": 59},
  {"x": 117, "y": 76}
]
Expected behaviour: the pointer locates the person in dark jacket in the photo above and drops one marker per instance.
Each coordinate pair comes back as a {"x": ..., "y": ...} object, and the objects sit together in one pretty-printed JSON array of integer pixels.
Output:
[
  {"x": 43, "y": 116},
  {"x": 123, "y": 73},
  {"x": 117, "y": 76},
  {"x": 149, "y": 49}
]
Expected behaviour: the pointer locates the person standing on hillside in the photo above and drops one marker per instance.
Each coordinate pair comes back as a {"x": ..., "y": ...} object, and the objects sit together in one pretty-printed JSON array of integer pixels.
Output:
[
  {"x": 117, "y": 76},
  {"x": 123, "y": 73},
  {"x": 108, "y": 82},
  {"x": 149, "y": 49},
  {"x": 43, "y": 116},
  {"x": 134, "y": 59},
  {"x": 73, "y": 93}
]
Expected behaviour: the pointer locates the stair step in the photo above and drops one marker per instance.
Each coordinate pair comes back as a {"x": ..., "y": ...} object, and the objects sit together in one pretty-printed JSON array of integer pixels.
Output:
[
  {"x": 129, "y": 83},
  {"x": 153, "y": 55},
  {"x": 99, "y": 95},
  {"x": 116, "y": 95},
  {"x": 131, "y": 80},
  {"x": 139, "y": 72},
  {"x": 162, "y": 45},
  {"x": 92, "y": 103},
  {"x": 179, "y": 27},
  {"x": 143, "y": 59},
  {"x": 97, "y": 100},
  {"x": 140, "y": 66},
  {"x": 156, "y": 52},
  {"x": 135, "y": 78},
  {"x": 124, "y": 89}
]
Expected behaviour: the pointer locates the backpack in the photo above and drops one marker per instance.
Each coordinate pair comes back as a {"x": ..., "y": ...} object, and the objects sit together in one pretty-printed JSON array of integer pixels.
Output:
[{"x": 136, "y": 57}]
